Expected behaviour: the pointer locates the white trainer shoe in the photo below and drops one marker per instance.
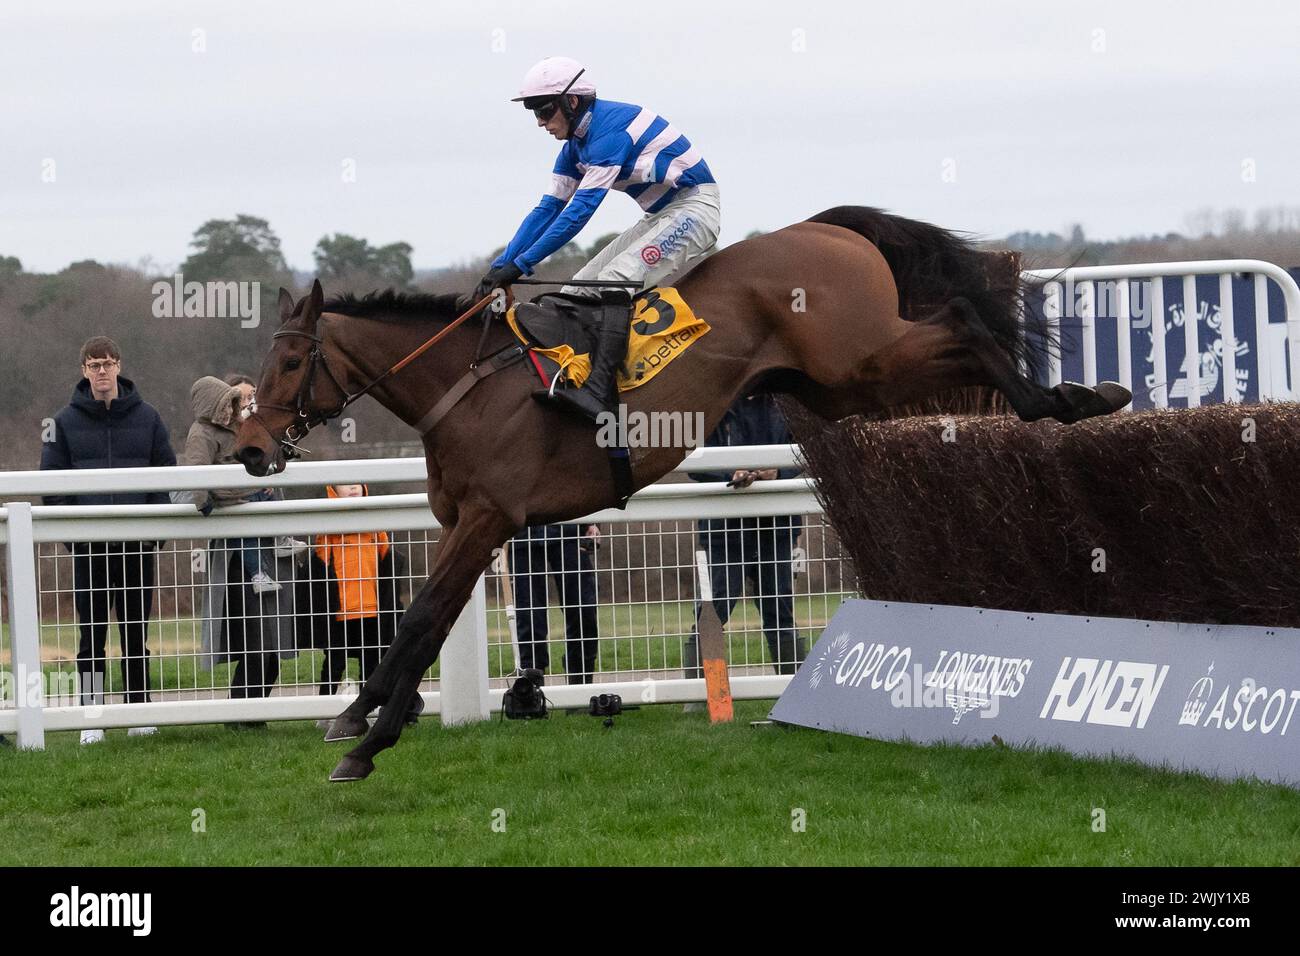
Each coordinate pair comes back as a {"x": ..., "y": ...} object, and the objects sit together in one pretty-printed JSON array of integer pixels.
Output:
[
  {"x": 286, "y": 547},
  {"x": 262, "y": 583},
  {"x": 141, "y": 731},
  {"x": 92, "y": 737}
]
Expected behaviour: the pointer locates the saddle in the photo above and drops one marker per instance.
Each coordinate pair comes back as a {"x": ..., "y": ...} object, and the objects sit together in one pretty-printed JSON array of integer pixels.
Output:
[
  {"x": 563, "y": 332},
  {"x": 596, "y": 349}
]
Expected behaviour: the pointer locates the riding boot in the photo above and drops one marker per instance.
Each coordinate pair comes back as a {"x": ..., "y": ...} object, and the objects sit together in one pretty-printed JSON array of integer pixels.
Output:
[{"x": 599, "y": 392}]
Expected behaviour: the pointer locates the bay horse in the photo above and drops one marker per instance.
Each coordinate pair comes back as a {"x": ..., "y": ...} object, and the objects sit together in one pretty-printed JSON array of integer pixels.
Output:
[{"x": 851, "y": 312}]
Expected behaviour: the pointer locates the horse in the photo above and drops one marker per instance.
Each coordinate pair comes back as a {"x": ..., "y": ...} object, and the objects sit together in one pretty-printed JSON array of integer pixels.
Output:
[{"x": 853, "y": 311}]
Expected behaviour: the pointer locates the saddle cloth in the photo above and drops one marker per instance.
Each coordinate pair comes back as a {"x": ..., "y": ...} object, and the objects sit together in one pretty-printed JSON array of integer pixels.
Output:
[{"x": 561, "y": 337}]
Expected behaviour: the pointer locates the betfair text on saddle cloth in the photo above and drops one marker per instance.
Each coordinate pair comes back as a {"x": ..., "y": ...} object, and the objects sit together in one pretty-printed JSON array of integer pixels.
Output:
[{"x": 609, "y": 145}]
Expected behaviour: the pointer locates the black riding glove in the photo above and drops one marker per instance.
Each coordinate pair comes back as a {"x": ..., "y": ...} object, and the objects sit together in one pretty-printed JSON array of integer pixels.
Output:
[{"x": 498, "y": 278}]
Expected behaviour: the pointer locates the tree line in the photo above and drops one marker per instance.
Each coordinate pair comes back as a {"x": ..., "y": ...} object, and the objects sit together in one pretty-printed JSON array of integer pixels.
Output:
[{"x": 45, "y": 317}]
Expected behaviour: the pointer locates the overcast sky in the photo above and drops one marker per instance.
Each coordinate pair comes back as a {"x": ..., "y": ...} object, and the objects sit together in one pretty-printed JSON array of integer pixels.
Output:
[{"x": 990, "y": 117}]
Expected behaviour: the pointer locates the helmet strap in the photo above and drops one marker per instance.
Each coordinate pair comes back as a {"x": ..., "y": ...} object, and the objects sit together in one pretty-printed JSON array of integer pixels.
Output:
[
  {"x": 565, "y": 111},
  {"x": 575, "y": 114}
]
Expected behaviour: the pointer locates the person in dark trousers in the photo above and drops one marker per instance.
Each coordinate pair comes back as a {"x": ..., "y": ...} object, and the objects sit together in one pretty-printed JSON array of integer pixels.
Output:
[
  {"x": 566, "y": 548},
  {"x": 108, "y": 425},
  {"x": 247, "y": 617},
  {"x": 353, "y": 601},
  {"x": 759, "y": 550},
  {"x": 355, "y": 578}
]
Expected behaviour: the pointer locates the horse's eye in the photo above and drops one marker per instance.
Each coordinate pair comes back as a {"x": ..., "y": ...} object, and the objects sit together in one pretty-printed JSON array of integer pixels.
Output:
[{"x": 291, "y": 364}]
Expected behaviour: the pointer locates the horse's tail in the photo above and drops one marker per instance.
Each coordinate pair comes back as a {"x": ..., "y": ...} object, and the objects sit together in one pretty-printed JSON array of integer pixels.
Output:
[{"x": 932, "y": 265}]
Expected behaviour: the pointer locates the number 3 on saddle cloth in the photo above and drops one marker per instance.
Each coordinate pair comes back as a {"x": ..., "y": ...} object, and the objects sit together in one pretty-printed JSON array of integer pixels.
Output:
[{"x": 561, "y": 333}]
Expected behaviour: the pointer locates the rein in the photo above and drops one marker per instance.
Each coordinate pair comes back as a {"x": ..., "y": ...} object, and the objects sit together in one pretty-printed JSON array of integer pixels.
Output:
[{"x": 306, "y": 420}]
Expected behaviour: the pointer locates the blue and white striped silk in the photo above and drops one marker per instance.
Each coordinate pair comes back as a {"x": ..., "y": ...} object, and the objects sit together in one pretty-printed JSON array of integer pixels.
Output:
[{"x": 615, "y": 146}]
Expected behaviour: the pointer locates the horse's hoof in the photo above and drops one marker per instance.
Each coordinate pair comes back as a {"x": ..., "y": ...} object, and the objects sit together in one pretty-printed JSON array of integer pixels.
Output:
[
  {"x": 346, "y": 728},
  {"x": 1115, "y": 394},
  {"x": 413, "y": 712},
  {"x": 1084, "y": 402},
  {"x": 352, "y": 768}
]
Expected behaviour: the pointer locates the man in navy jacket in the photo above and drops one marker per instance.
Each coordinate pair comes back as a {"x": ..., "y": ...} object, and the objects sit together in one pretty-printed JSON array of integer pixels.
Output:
[
  {"x": 108, "y": 425},
  {"x": 757, "y": 549}
]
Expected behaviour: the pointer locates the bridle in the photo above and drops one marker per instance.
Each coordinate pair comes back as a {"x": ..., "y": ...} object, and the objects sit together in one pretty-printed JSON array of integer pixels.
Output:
[{"x": 304, "y": 418}]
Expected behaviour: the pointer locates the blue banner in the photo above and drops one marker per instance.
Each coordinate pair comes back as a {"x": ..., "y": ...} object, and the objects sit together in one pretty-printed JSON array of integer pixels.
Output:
[{"x": 1064, "y": 301}]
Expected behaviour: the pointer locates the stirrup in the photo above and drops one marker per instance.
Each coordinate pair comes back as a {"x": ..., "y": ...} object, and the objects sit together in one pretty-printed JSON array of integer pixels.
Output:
[{"x": 581, "y": 401}]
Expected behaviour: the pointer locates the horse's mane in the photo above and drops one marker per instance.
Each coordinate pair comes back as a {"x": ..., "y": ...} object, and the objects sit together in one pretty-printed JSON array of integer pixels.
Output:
[{"x": 392, "y": 306}]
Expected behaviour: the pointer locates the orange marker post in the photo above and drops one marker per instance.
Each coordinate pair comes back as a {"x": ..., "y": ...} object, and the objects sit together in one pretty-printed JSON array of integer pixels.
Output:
[{"x": 713, "y": 649}]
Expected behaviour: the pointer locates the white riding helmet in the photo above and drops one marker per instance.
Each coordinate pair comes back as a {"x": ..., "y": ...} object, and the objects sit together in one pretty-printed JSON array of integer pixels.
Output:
[{"x": 553, "y": 76}]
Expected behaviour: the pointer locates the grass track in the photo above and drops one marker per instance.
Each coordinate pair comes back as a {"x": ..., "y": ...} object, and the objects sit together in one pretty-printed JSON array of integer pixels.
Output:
[{"x": 659, "y": 787}]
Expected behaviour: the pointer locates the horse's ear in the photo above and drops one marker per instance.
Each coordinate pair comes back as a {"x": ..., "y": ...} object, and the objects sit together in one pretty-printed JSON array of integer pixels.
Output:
[
  {"x": 286, "y": 305},
  {"x": 315, "y": 303}
]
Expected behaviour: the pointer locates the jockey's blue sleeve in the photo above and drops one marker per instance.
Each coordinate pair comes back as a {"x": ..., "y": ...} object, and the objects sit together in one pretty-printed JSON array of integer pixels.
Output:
[
  {"x": 534, "y": 224},
  {"x": 604, "y": 161},
  {"x": 567, "y": 225},
  {"x": 564, "y": 182}
]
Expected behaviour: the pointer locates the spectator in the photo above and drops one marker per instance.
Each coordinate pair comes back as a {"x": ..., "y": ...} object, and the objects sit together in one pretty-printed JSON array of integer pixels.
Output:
[
  {"x": 284, "y": 545},
  {"x": 569, "y": 553},
  {"x": 759, "y": 550},
  {"x": 108, "y": 425},
  {"x": 246, "y": 616},
  {"x": 356, "y": 583}
]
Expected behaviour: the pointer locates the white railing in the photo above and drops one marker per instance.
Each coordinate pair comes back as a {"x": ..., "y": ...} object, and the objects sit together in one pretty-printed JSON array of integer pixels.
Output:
[
  {"x": 38, "y": 580},
  {"x": 1275, "y": 355}
]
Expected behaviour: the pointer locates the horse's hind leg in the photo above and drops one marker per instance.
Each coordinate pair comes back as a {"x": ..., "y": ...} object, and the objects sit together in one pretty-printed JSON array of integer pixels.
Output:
[
  {"x": 953, "y": 347},
  {"x": 463, "y": 554},
  {"x": 415, "y": 626},
  {"x": 1068, "y": 402}
]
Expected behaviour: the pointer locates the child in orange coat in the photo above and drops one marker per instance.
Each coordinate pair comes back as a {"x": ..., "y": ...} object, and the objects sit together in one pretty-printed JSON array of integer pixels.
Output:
[{"x": 358, "y": 570}]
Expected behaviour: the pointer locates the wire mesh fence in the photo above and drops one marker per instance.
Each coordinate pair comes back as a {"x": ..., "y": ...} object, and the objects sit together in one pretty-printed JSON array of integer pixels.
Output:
[
  {"x": 186, "y": 619},
  {"x": 300, "y": 600}
]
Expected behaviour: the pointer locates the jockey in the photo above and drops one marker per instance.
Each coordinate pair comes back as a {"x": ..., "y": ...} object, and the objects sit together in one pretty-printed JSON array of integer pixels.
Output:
[{"x": 609, "y": 145}]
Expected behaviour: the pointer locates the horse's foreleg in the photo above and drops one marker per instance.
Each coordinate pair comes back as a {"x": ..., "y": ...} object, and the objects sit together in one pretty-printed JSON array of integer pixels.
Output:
[{"x": 463, "y": 554}]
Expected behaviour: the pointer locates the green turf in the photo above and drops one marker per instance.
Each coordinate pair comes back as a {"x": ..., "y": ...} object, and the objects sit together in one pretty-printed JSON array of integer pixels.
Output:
[{"x": 659, "y": 787}]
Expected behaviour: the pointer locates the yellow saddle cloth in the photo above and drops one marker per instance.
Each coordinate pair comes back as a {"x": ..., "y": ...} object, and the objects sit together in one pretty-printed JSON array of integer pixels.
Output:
[{"x": 663, "y": 327}]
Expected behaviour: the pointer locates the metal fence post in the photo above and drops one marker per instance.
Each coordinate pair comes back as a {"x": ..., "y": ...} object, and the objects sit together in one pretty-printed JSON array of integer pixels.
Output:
[
  {"x": 463, "y": 686},
  {"x": 25, "y": 627}
]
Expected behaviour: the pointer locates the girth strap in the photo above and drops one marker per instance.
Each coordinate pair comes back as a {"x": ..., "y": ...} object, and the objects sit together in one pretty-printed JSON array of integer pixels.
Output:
[{"x": 494, "y": 363}]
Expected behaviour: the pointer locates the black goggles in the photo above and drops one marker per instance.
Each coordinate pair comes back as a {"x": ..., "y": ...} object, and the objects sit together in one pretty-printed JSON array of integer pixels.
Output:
[{"x": 544, "y": 113}]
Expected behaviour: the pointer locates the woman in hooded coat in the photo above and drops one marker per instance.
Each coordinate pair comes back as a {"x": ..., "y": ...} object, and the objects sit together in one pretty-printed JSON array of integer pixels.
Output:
[{"x": 253, "y": 628}]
